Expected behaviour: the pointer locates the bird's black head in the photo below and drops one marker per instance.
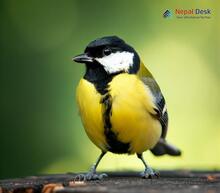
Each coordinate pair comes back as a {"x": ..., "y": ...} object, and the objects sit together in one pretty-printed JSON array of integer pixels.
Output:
[{"x": 111, "y": 55}]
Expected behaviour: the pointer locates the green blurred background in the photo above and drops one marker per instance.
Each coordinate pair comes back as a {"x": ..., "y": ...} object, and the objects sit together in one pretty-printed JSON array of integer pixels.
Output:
[{"x": 40, "y": 129}]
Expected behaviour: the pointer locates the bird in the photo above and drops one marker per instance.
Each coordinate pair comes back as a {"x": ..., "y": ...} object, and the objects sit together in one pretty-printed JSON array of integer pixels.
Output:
[{"x": 121, "y": 106}]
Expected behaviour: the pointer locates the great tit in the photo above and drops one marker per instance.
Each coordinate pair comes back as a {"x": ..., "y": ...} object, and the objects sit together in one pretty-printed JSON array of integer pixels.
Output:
[{"x": 121, "y": 105}]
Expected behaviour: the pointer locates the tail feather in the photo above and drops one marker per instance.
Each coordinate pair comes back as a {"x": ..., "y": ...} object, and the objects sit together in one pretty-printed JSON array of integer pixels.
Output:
[{"x": 162, "y": 148}]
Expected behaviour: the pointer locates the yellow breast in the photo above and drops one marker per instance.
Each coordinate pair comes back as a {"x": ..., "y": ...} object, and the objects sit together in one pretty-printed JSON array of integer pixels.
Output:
[
  {"x": 90, "y": 110},
  {"x": 131, "y": 120}
]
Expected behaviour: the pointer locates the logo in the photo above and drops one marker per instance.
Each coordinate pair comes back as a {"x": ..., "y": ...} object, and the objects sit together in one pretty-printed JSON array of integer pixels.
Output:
[
  {"x": 167, "y": 14},
  {"x": 191, "y": 13}
]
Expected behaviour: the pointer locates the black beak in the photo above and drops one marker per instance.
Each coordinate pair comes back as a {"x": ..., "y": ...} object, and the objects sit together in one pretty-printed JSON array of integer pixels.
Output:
[{"x": 83, "y": 58}]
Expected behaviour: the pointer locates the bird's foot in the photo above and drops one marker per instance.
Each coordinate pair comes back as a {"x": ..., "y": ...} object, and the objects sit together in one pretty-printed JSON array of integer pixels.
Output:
[
  {"x": 148, "y": 173},
  {"x": 90, "y": 176}
]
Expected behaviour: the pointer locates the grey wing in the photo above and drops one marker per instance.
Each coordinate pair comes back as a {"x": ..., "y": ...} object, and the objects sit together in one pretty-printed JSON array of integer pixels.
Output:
[
  {"x": 162, "y": 147},
  {"x": 160, "y": 104}
]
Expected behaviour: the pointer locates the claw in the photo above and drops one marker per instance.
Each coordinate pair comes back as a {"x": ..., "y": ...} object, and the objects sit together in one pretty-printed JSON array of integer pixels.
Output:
[
  {"x": 95, "y": 176},
  {"x": 101, "y": 176},
  {"x": 79, "y": 177},
  {"x": 90, "y": 176},
  {"x": 150, "y": 174}
]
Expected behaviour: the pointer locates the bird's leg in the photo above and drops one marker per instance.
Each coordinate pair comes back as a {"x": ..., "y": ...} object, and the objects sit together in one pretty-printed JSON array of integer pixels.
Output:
[
  {"x": 92, "y": 175},
  {"x": 148, "y": 172}
]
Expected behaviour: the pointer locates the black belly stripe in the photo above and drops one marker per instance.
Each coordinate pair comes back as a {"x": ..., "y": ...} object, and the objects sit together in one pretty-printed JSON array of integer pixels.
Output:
[
  {"x": 100, "y": 79},
  {"x": 115, "y": 145}
]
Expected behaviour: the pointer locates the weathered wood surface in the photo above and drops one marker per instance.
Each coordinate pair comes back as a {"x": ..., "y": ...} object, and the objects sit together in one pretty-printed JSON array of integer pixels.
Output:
[{"x": 128, "y": 182}]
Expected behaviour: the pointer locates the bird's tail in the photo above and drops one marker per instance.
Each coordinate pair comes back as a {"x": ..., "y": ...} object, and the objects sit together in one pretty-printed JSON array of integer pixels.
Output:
[{"x": 162, "y": 148}]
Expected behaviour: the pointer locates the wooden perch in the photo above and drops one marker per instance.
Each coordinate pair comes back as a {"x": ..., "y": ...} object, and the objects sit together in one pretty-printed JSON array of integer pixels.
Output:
[{"x": 180, "y": 181}]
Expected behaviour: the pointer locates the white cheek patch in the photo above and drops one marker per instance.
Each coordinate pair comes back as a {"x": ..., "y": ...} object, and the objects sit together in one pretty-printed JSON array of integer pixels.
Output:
[{"x": 117, "y": 62}]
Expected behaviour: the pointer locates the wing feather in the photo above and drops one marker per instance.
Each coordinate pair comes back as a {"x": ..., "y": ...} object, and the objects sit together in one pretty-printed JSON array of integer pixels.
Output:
[
  {"x": 162, "y": 147},
  {"x": 160, "y": 104}
]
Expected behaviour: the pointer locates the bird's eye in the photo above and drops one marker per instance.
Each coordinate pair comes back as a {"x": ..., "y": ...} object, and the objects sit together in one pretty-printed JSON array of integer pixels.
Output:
[{"x": 107, "y": 51}]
